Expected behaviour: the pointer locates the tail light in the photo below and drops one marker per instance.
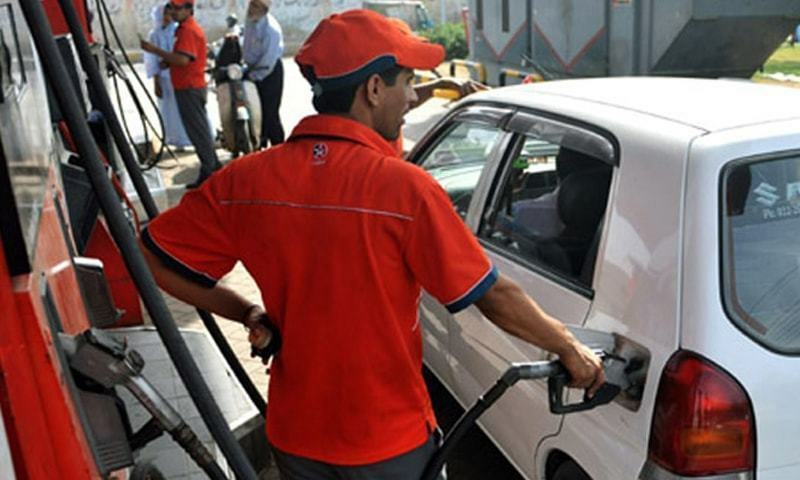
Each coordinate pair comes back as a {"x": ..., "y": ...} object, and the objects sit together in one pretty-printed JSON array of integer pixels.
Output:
[{"x": 703, "y": 420}]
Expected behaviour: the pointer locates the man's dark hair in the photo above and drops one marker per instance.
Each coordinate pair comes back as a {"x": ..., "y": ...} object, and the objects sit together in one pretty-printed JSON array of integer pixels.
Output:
[{"x": 341, "y": 99}]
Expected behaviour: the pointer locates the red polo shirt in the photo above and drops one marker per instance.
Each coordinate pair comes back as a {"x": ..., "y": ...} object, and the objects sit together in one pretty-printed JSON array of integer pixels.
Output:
[
  {"x": 340, "y": 235},
  {"x": 190, "y": 40}
]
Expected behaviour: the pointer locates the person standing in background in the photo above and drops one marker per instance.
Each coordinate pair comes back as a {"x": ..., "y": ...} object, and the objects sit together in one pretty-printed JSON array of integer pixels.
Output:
[
  {"x": 263, "y": 47},
  {"x": 163, "y": 36},
  {"x": 187, "y": 64}
]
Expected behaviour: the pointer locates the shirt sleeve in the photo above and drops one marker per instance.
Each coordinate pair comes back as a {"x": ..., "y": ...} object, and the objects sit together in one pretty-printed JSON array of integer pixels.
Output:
[
  {"x": 274, "y": 46},
  {"x": 252, "y": 49},
  {"x": 192, "y": 238},
  {"x": 444, "y": 255},
  {"x": 186, "y": 42},
  {"x": 151, "y": 60}
]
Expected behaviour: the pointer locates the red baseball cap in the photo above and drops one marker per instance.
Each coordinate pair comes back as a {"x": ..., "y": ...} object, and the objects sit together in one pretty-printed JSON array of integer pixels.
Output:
[
  {"x": 346, "y": 48},
  {"x": 180, "y": 3}
]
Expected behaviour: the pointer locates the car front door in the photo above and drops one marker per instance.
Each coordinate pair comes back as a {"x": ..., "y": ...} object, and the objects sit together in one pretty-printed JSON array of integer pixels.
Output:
[
  {"x": 462, "y": 154},
  {"x": 538, "y": 213}
]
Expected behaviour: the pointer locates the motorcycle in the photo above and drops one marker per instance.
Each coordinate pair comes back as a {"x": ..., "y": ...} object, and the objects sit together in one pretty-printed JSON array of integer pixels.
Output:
[{"x": 237, "y": 98}]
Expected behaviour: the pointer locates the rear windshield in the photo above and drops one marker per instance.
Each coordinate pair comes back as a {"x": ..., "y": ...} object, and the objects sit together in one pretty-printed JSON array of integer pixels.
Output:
[{"x": 761, "y": 250}]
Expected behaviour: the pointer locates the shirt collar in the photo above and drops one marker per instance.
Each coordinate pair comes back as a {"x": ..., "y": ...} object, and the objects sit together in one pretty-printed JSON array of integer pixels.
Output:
[
  {"x": 344, "y": 128},
  {"x": 187, "y": 22},
  {"x": 255, "y": 21}
]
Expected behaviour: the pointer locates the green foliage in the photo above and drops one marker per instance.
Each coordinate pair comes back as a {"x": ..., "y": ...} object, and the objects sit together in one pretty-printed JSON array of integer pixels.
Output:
[
  {"x": 451, "y": 36},
  {"x": 786, "y": 59}
]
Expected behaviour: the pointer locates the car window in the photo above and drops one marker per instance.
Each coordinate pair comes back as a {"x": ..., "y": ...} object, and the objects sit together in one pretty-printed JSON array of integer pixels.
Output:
[
  {"x": 458, "y": 158},
  {"x": 761, "y": 267},
  {"x": 549, "y": 207}
]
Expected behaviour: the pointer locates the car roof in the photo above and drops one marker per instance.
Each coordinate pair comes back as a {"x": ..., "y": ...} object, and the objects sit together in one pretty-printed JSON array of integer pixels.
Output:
[{"x": 710, "y": 105}]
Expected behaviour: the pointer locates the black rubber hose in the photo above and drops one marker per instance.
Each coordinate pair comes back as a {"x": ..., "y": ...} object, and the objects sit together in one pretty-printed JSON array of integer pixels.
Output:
[
  {"x": 462, "y": 426},
  {"x": 102, "y": 9},
  {"x": 185, "y": 437},
  {"x": 55, "y": 72},
  {"x": 233, "y": 361},
  {"x": 96, "y": 83},
  {"x": 515, "y": 373}
]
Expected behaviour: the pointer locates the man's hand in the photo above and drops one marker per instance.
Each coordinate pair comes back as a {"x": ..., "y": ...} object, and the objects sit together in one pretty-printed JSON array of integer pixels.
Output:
[
  {"x": 147, "y": 46},
  {"x": 585, "y": 368},
  {"x": 259, "y": 336},
  {"x": 464, "y": 87},
  {"x": 157, "y": 86},
  {"x": 511, "y": 309}
]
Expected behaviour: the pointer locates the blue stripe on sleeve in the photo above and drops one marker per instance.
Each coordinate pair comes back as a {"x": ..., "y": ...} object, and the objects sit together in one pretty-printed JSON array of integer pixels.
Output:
[
  {"x": 174, "y": 264},
  {"x": 475, "y": 294}
]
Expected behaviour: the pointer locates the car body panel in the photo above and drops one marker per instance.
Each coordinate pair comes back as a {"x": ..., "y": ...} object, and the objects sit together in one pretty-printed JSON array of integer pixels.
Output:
[
  {"x": 657, "y": 278},
  {"x": 705, "y": 104},
  {"x": 636, "y": 287},
  {"x": 772, "y": 380}
]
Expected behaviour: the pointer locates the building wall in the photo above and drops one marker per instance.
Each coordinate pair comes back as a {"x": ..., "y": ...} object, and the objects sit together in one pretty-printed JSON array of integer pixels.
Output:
[{"x": 297, "y": 17}]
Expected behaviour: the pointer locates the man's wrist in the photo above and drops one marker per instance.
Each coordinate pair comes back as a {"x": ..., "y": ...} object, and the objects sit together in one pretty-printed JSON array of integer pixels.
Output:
[
  {"x": 568, "y": 345},
  {"x": 248, "y": 312}
]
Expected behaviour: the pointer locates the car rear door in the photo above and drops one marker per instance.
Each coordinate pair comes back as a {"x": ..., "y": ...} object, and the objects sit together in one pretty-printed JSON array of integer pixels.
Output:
[{"x": 636, "y": 287}]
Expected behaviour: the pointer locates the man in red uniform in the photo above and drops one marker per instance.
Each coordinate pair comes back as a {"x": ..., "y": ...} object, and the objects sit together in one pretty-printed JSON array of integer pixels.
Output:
[
  {"x": 341, "y": 235},
  {"x": 187, "y": 64}
]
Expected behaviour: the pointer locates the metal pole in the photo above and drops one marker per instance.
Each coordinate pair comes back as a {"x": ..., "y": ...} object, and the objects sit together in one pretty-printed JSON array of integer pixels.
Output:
[
  {"x": 55, "y": 72},
  {"x": 106, "y": 107}
]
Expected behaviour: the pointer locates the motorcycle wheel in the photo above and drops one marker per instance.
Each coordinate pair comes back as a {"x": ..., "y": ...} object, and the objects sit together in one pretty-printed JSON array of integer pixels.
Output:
[{"x": 243, "y": 143}]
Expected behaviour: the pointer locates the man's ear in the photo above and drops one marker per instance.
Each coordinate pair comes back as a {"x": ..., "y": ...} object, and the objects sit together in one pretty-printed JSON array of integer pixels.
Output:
[{"x": 374, "y": 88}]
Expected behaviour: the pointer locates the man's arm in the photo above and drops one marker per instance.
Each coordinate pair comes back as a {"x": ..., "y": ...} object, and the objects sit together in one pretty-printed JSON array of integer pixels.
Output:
[
  {"x": 425, "y": 90},
  {"x": 511, "y": 309},
  {"x": 173, "y": 59},
  {"x": 219, "y": 300}
]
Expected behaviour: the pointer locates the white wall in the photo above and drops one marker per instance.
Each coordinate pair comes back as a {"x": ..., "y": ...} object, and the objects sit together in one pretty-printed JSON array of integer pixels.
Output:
[{"x": 297, "y": 17}]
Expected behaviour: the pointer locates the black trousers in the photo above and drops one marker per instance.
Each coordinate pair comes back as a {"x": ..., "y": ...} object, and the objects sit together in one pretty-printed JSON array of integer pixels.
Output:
[
  {"x": 192, "y": 107},
  {"x": 406, "y": 466},
  {"x": 270, "y": 91}
]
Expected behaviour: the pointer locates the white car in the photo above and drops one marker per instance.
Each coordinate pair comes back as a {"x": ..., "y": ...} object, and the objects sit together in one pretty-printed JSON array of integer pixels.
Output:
[{"x": 663, "y": 210}]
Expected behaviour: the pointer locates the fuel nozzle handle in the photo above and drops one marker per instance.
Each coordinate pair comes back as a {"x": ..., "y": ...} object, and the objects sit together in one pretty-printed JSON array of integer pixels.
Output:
[
  {"x": 557, "y": 384},
  {"x": 274, "y": 345}
]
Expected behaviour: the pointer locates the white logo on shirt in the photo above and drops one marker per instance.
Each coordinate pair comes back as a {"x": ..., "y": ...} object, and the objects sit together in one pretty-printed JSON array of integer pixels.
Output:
[{"x": 319, "y": 153}]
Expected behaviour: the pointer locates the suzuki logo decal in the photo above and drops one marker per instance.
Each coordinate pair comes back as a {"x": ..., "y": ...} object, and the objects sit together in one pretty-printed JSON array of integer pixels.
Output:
[{"x": 765, "y": 194}]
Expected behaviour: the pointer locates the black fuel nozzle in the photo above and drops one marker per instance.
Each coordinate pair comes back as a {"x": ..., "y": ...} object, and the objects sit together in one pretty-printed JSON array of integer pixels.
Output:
[
  {"x": 613, "y": 365},
  {"x": 274, "y": 345}
]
